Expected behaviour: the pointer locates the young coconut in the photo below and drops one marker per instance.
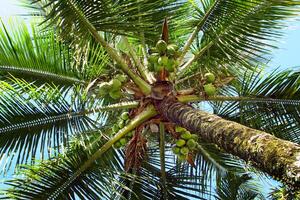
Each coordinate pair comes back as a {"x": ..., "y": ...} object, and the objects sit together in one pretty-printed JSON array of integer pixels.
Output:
[
  {"x": 161, "y": 46},
  {"x": 179, "y": 129},
  {"x": 157, "y": 67},
  {"x": 195, "y": 137},
  {"x": 182, "y": 157},
  {"x": 163, "y": 60},
  {"x": 180, "y": 143},
  {"x": 171, "y": 50},
  {"x": 153, "y": 58},
  {"x": 125, "y": 116},
  {"x": 121, "y": 124},
  {"x": 115, "y": 94},
  {"x": 191, "y": 144},
  {"x": 176, "y": 150},
  {"x": 170, "y": 65},
  {"x": 209, "y": 89},
  {"x": 184, "y": 150},
  {"x": 173, "y": 46},
  {"x": 186, "y": 135},
  {"x": 130, "y": 134},
  {"x": 123, "y": 141},
  {"x": 210, "y": 77},
  {"x": 115, "y": 84},
  {"x": 115, "y": 128}
]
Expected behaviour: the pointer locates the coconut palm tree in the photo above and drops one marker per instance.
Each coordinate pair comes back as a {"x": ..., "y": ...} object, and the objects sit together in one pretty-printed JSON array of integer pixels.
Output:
[{"x": 148, "y": 100}]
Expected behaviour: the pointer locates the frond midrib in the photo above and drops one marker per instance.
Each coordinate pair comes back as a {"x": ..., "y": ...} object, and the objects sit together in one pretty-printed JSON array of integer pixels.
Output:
[{"x": 40, "y": 73}]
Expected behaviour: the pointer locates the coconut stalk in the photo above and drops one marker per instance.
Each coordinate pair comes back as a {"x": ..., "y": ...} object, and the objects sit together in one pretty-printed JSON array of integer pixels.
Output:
[
  {"x": 143, "y": 85},
  {"x": 279, "y": 158},
  {"x": 136, "y": 121},
  {"x": 162, "y": 159}
]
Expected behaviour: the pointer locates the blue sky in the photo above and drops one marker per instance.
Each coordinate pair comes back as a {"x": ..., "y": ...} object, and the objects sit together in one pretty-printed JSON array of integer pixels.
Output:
[{"x": 288, "y": 54}]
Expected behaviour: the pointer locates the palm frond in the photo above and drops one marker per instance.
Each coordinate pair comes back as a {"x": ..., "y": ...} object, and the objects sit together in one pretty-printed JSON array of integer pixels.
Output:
[
  {"x": 182, "y": 181},
  {"x": 116, "y": 17},
  {"x": 237, "y": 33},
  {"x": 36, "y": 128},
  {"x": 237, "y": 187},
  {"x": 44, "y": 180},
  {"x": 105, "y": 179},
  {"x": 36, "y": 122},
  {"x": 283, "y": 192},
  {"x": 279, "y": 117},
  {"x": 38, "y": 54}
]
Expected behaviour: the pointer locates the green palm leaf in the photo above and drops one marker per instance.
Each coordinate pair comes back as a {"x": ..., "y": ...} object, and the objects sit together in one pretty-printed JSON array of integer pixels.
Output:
[
  {"x": 279, "y": 116},
  {"x": 236, "y": 33},
  {"x": 43, "y": 181},
  {"x": 116, "y": 17},
  {"x": 36, "y": 122},
  {"x": 237, "y": 187},
  {"x": 38, "y": 54}
]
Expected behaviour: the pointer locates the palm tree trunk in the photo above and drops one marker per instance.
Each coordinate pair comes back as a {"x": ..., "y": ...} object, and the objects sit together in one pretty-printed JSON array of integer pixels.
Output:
[{"x": 277, "y": 157}]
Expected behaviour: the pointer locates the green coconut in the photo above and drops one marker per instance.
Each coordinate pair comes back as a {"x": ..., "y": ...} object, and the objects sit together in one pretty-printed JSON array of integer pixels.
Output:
[
  {"x": 210, "y": 77},
  {"x": 181, "y": 157},
  {"x": 174, "y": 46},
  {"x": 179, "y": 129},
  {"x": 163, "y": 60},
  {"x": 170, "y": 65},
  {"x": 115, "y": 94},
  {"x": 153, "y": 58},
  {"x": 115, "y": 128},
  {"x": 171, "y": 50},
  {"x": 115, "y": 84},
  {"x": 176, "y": 150},
  {"x": 125, "y": 115},
  {"x": 210, "y": 89},
  {"x": 191, "y": 144},
  {"x": 176, "y": 63},
  {"x": 121, "y": 124},
  {"x": 161, "y": 46},
  {"x": 180, "y": 143},
  {"x": 123, "y": 141},
  {"x": 130, "y": 134},
  {"x": 186, "y": 135},
  {"x": 184, "y": 151},
  {"x": 158, "y": 68}
]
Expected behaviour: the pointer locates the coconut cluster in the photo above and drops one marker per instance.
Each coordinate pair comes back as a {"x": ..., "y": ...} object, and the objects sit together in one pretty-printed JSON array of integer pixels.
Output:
[
  {"x": 164, "y": 56},
  {"x": 113, "y": 87},
  {"x": 209, "y": 88},
  {"x": 123, "y": 120},
  {"x": 185, "y": 144}
]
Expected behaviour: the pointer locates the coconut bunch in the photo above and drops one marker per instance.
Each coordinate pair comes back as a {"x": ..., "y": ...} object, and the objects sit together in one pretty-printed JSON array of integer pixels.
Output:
[
  {"x": 113, "y": 87},
  {"x": 122, "y": 121},
  {"x": 164, "y": 56},
  {"x": 185, "y": 144},
  {"x": 209, "y": 88}
]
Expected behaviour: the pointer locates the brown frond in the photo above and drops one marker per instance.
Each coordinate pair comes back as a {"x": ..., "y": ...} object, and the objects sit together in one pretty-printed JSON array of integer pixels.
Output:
[{"x": 135, "y": 152}]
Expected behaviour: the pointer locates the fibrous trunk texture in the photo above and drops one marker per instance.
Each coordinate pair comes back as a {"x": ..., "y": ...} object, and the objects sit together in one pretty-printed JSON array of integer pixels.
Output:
[{"x": 277, "y": 157}]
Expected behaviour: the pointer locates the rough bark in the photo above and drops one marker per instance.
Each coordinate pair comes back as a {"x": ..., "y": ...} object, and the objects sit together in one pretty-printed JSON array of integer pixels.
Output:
[{"x": 277, "y": 157}]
